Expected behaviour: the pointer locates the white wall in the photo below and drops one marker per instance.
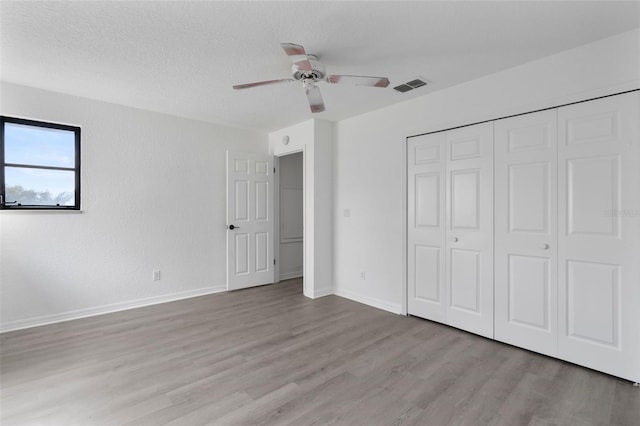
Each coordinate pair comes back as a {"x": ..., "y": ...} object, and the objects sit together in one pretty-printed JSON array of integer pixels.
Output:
[
  {"x": 369, "y": 153},
  {"x": 154, "y": 191},
  {"x": 314, "y": 138},
  {"x": 153, "y": 197},
  {"x": 291, "y": 216}
]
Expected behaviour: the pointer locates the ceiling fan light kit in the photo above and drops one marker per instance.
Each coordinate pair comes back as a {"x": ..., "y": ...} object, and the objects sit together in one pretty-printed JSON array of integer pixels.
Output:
[{"x": 307, "y": 69}]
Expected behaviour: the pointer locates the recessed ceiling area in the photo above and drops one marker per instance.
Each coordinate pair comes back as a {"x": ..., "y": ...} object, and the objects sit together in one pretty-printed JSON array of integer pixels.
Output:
[{"x": 182, "y": 58}]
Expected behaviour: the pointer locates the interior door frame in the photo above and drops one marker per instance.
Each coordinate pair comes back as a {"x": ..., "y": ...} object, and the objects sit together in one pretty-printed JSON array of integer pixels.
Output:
[
  {"x": 278, "y": 217},
  {"x": 404, "y": 308}
]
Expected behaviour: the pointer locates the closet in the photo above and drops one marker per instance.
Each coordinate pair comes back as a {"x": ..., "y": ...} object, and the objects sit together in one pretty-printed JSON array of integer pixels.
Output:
[
  {"x": 559, "y": 254},
  {"x": 451, "y": 246}
]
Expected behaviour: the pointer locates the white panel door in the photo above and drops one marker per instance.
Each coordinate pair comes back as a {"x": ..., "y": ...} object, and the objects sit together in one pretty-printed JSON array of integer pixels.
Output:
[
  {"x": 426, "y": 226},
  {"x": 469, "y": 222},
  {"x": 249, "y": 220},
  {"x": 526, "y": 248},
  {"x": 599, "y": 234}
]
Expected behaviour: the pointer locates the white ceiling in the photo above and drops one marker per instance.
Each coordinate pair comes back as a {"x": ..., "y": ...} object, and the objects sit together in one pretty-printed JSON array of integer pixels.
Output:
[{"x": 182, "y": 57}]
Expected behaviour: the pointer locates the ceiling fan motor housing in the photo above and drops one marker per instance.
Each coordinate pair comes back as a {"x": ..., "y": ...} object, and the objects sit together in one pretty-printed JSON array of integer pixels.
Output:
[{"x": 317, "y": 72}]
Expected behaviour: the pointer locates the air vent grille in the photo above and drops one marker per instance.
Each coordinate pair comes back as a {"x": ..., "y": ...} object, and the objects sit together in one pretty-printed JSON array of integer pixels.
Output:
[
  {"x": 403, "y": 88},
  {"x": 416, "y": 83},
  {"x": 410, "y": 85}
]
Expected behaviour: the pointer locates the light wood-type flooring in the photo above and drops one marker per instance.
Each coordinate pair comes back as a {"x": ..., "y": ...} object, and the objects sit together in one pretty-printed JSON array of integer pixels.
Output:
[{"x": 270, "y": 356}]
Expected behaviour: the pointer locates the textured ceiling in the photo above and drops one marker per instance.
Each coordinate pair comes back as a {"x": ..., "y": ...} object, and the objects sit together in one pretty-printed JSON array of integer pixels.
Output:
[{"x": 182, "y": 57}]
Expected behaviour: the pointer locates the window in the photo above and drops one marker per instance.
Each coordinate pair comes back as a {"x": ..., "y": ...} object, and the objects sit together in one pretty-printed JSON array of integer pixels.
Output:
[{"x": 40, "y": 165}]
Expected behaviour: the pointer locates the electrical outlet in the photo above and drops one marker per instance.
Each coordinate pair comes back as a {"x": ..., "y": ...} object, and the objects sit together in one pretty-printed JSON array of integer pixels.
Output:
[
  {"x": 363, "y": 276},
  {"x": 156, "y": 275}
]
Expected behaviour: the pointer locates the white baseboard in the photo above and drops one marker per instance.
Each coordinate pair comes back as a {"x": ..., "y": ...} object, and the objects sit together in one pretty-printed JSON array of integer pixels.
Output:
[
  {"x": 105, "y": 309},
  {"x": 322, "y": 292},
  {"x": 371, "y": 301},
  {"x": 290, "y": 275},
  {"x": 138, "y": 303}
]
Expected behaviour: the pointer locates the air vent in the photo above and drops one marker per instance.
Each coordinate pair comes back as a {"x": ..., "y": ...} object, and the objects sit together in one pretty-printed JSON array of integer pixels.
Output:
[
  {"x": 410, "y": 85},
  {"x": 403, "y": 88},
  {"x": 416, "y": 83}
]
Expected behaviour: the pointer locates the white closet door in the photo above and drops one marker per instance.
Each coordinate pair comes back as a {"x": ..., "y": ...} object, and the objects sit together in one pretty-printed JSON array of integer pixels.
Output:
[
  {"x": 426, "y": 226},
  {"x": 526, "y": 231},
  {"x": 599, "y": 205},
  {"x": 469, "y": 240}
]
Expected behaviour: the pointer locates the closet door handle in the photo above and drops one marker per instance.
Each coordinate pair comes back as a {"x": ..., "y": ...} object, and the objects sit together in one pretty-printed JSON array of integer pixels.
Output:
[
  {"x": 544, "y": 246},
  {"x": 454, "y": 239}
]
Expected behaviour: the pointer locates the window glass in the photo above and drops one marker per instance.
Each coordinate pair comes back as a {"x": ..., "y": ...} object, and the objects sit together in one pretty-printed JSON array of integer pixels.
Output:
[
  {"x": 38, "y": 146},
  {"x": 39, "y": 187}
]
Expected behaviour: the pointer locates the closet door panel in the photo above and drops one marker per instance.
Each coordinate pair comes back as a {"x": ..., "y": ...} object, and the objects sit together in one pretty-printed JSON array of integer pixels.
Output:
[
  {"x": 529, "y": 196},
  {"x": 528, "y": 292},
  {"x": 526, "y": 231},
  {"x": 469, "y": 240},
  {"x": 599, "y": 236},
  {"x": 465, "y": 280},
  {"x": 465, "y": 199},
  {"x": 426, "y": 226}
]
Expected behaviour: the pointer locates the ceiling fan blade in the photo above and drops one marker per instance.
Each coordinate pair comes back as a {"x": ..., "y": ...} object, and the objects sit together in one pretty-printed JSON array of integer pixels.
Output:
[
  {"x": 298, "y": 56},
  {"x": 359, "y": 80},
  {"x": 262, "y": 83},
  {"x": 314, "y": 97}
]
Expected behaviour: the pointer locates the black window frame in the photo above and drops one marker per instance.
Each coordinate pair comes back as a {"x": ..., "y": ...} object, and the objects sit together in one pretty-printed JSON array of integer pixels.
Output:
[{"x": 8, "y": 205}]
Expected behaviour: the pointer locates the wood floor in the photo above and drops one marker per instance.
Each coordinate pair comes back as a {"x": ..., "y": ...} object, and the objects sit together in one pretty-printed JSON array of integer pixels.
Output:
[{"x": 271, "y": 356}]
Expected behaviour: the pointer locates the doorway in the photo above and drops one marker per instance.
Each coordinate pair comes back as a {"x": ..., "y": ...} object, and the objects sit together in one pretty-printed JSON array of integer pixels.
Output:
[{"x": 291, "y": 216}]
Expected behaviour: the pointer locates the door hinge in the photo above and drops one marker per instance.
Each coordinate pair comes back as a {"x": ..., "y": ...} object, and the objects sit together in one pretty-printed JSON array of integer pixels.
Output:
[
  {"x": 274, "y": 261},
  {"x": 274, "y": 170}
]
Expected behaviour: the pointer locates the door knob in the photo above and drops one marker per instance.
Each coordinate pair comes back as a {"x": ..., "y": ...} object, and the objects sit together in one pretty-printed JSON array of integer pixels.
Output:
[
  {"x": 544, "y": 246},
  {"x": 232, "y": 227},
  {"x": 454, "y": 239}
]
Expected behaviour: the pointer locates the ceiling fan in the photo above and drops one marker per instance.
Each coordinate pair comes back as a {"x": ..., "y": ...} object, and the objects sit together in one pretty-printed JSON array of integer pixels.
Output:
[{"x": 307, "y": 69}]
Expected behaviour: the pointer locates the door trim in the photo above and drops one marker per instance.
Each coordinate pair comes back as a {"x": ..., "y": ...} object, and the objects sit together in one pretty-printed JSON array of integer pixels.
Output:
[{"x": 519, "y": 114}]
